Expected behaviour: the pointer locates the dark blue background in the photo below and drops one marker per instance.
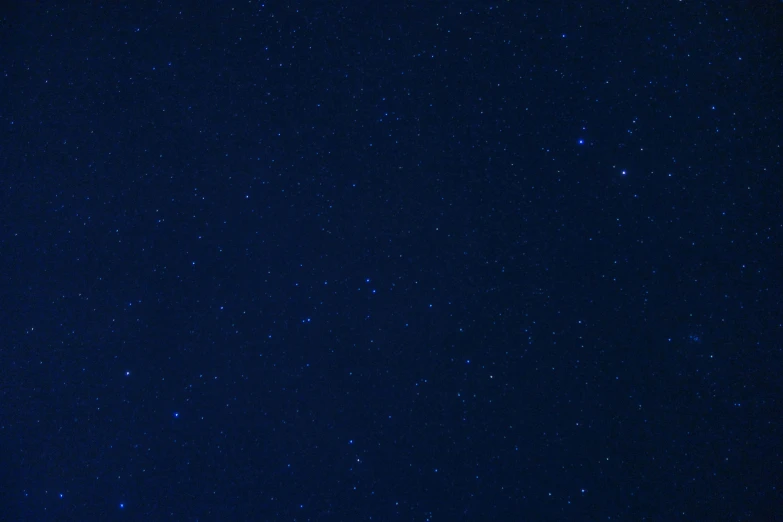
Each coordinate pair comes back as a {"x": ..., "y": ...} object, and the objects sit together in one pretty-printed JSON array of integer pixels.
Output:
[{"x": 427, "y": 261}]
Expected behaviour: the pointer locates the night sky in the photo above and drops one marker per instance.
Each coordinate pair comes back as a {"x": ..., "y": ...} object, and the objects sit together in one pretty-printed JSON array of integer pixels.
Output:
[{"x": 403, "y": 261}]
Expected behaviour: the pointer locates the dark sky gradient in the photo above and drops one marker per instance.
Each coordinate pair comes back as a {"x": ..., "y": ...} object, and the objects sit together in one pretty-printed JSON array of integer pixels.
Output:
[{"x": 403, "y": 261}]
